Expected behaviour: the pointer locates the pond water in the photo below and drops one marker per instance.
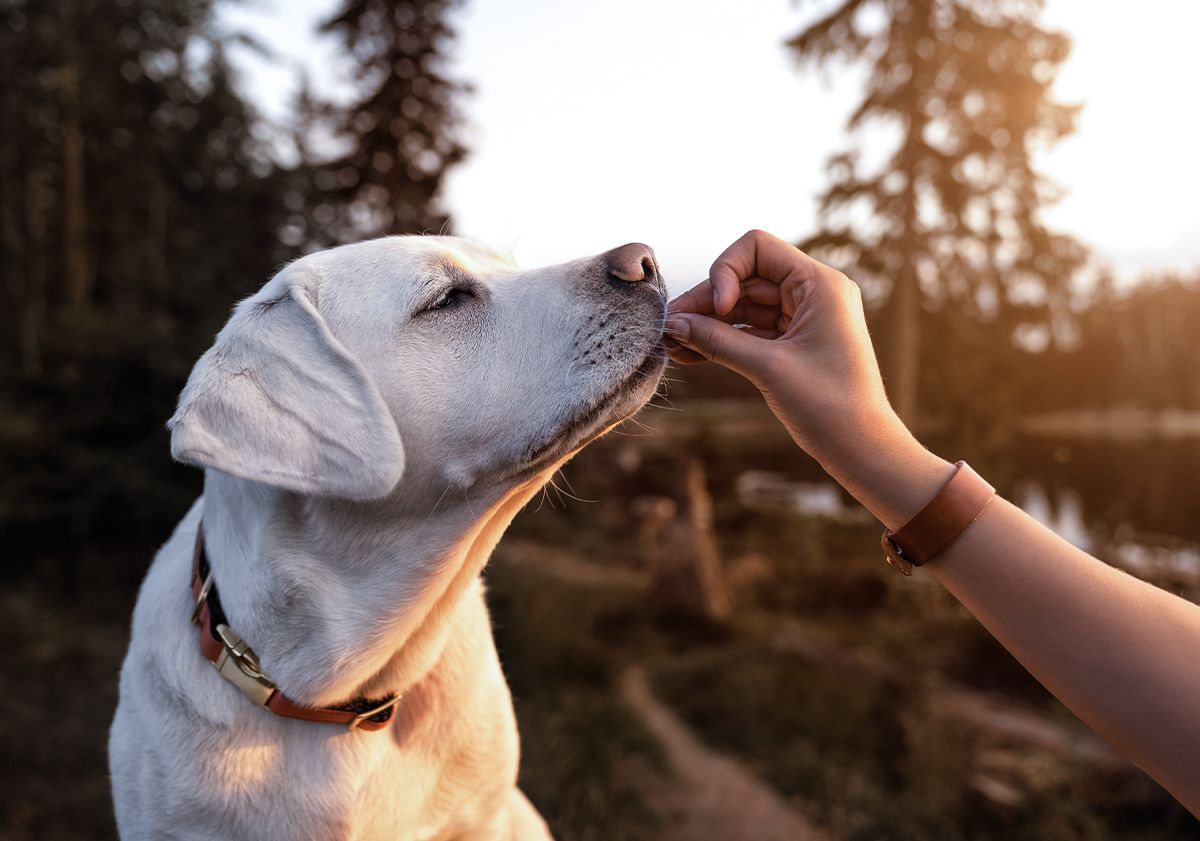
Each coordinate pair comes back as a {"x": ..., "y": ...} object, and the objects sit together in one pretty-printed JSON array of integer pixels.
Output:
[
  {"x": 1120, "y": 488},
  {"x": 1134, "y": 503}
]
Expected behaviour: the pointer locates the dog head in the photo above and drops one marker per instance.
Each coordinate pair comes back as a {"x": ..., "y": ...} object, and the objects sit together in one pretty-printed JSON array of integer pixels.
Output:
[{"x": 428, "y": 357}]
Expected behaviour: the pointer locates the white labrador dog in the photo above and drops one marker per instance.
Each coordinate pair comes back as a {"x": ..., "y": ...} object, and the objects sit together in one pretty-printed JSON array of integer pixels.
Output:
[{"x": 369, "y": 423}]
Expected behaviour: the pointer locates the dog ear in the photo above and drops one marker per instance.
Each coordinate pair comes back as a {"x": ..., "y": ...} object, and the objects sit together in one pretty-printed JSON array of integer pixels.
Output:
[{"x": 278, "y": 399}]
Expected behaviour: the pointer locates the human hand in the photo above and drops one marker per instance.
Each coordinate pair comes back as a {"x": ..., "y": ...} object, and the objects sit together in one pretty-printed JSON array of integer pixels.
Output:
[{"x": 804, "y": 344}]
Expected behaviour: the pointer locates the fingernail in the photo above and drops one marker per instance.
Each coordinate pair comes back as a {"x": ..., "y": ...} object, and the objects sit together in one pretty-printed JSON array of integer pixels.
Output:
[
  {"x": 678, "y": 328},
  {"x": 716, "y": 301}
]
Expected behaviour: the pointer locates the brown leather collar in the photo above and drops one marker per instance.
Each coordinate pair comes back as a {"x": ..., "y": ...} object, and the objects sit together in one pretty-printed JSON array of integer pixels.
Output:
[{"x": 237, "y": 663}]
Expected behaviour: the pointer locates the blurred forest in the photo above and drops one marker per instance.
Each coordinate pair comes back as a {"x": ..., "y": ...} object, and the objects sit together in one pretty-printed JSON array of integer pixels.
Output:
[{"x": 141, "y": 195}]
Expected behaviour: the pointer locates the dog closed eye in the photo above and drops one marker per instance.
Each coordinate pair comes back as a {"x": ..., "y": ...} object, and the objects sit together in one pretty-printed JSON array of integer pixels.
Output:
[
  {"x": 449, "y": 299},
  {"x": 455, "y": 290}
]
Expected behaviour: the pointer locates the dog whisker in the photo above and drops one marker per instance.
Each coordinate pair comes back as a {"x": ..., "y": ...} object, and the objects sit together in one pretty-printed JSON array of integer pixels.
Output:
[
  {"x": 545, "y": 497},
  {"x": 649, "y": 429},
  {"x": 428, "y": 516},
  {"x": 561, "y": 492},
  {"x": 467, "y": 500}
]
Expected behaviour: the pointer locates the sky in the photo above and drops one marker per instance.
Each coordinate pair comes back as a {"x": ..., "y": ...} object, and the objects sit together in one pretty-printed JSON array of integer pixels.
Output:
[{"x": 683, "y": 123}]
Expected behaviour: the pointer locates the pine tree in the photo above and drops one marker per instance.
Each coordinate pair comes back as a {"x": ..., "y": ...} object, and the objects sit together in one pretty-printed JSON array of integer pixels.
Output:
[
  {"x": 135, "y": 205},
  {"x": 310, "y": 224},
  {"x": 401, "y": 133},
  {"x": 949, "y": 223}
]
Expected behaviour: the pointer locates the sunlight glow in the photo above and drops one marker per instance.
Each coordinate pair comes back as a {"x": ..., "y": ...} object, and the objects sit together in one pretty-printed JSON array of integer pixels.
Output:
[
  {"x": 682, "y": 123},
  {"x": 1132, "y": 171}
]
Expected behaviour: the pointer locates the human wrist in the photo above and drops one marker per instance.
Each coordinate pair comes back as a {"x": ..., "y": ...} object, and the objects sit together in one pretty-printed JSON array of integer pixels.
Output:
[{"x": 882, "y": 465}]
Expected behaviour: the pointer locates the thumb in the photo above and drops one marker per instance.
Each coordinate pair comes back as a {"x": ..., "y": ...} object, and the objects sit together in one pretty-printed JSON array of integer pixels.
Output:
[{"x": 718, "y": 342}]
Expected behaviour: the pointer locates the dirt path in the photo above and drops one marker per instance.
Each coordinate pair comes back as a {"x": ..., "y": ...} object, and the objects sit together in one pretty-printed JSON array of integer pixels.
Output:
[
  {"x": 997, "y": 721},
  {"x": 716, "y": 797}
]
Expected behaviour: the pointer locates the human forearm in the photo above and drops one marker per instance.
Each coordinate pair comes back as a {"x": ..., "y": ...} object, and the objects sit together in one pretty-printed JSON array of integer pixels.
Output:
[
  {"x": 1121, "y": 654},
  {"x": 879, "y": 462}
]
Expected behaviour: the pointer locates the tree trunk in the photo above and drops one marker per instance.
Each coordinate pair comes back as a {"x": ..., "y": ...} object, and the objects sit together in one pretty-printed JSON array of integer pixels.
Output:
[
  {"x": 713, "y": 593},
  {"x": 904, "y": 360},
  {"x": 80, "y": 281},
  {"x": 686, "y": 577},
  {"x": 31, "y": 316},
  {"x": 157, "y": 211},
  {"x": 17, "y": 281}
]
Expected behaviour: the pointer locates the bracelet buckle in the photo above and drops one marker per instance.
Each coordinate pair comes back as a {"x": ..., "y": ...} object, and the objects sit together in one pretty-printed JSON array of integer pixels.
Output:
[{"x": 894, "y": 555}]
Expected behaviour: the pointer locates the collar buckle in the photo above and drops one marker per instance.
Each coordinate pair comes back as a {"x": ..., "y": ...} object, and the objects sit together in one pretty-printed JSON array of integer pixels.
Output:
[{"x": 238, "y": 664}]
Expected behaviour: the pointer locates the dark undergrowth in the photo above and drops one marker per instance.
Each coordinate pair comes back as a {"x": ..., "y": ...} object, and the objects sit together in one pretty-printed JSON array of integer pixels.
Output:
[
  {"x": 586, "y": 763},
  {"x": 851, "y": 745},
  {"x": 868, "y": 764},
  {"x": 59, "y": 673}
]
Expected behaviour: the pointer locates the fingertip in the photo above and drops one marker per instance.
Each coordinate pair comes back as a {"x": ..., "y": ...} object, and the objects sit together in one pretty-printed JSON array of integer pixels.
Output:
[
  {"x": 723, "y": 303},
  {"x": 678, "y": 327}
]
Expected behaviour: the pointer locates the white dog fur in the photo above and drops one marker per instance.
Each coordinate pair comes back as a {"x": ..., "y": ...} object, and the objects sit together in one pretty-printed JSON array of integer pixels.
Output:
[{"x": 367, "y": 434}]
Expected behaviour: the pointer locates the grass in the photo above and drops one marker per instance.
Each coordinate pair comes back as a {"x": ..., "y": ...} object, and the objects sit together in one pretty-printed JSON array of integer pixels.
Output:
[
  {"x": 850, "y": 749},
  {"x": 586, "y": 762},
  {"x": 867, "y": 765},
  {"x": 60, "y": 677}
]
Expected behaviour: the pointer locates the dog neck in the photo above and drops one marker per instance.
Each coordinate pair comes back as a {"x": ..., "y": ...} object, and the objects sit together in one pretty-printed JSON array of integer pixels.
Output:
[{"x": 343, "y": 599}]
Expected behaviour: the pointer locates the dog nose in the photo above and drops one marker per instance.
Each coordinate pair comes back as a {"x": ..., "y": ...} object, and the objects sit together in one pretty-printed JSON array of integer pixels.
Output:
[{"x": 632, "y": 262}]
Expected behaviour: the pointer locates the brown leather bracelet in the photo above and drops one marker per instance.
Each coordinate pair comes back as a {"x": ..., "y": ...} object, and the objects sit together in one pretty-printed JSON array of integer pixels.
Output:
[{"x": 940, "y": 522}]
